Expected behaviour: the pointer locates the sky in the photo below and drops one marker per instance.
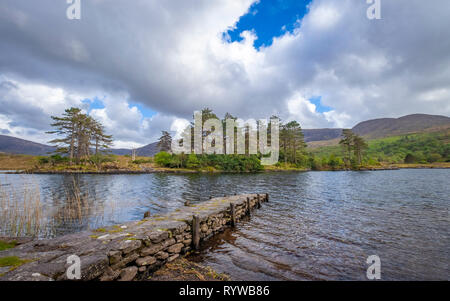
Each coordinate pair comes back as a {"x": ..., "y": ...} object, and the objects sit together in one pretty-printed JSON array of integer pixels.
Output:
[{"x": 144, "y": 66}]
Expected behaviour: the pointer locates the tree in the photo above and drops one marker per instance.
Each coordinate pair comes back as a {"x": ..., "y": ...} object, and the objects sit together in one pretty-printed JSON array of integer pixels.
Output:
[
  {"x": 101, "y": 140},
  {"x": 284, "y": 136},
  {"x": 77, "y": 132},
  {"x": 66, "y": 129},
  {"x": 359, "y": 145},
  {"x": 347, "y": 142},
  {"x": 227, "y": 135},
  {"x": 292, "y": 141},
  {"x": 165, "y": 142}
]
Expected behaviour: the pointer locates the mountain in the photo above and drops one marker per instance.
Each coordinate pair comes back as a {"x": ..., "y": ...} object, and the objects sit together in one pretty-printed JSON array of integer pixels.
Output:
[
  {"x": 149, "y": 150},
  {"x": 321, "y": 134},
  {"x": 13, "y": 145},
  {"x": 146, "y": 151},
  {"x": 384, "y": 127}
]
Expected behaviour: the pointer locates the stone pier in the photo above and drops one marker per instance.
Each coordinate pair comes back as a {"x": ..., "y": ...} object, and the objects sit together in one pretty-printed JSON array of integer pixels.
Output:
[{"x": 130, "y": 251}]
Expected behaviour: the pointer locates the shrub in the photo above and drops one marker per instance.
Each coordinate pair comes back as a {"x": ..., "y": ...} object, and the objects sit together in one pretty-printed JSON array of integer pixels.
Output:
[
  {"x": 192, "y": 161},
  {"x": 163, "y": 159},
  {"x": 43, "y": 160},
  {"x": 99, "y": 159},
  {"x": 142, "y": 161},
  {"x": 434, "y": 158},
  {"x": 410, "y": 158}
]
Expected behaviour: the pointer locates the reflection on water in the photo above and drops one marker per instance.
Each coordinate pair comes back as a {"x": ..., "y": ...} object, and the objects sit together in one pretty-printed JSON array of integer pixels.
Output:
[{"x": 317, "y": 225}]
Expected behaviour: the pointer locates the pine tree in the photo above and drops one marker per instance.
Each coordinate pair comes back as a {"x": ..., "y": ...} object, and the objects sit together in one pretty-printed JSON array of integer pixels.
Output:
[
  {"x": 347, "y": 142},
  {"x": 359, "y": 145},
  {"x": 165, "y": 142},
  {"x": 77, "y": 133}
]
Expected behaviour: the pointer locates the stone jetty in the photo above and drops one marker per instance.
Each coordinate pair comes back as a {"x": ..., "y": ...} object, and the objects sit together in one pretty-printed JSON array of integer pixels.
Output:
[{"x": 130, "y": 251}]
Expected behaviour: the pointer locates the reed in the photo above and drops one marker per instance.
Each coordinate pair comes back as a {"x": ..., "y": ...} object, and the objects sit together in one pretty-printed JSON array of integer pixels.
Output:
[
  {"x": 20, "y": 210},
  {"x": 24, "y": 214}
]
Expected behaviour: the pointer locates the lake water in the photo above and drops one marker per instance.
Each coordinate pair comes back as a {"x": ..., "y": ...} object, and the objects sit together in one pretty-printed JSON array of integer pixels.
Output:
[{"x": 317, "y": 225}]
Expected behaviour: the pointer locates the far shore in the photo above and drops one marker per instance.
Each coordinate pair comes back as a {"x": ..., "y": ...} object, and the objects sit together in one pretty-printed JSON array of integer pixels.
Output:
[{"x": 440, "y": 165}]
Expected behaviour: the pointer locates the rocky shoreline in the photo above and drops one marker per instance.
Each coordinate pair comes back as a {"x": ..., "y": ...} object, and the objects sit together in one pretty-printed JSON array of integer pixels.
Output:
[{"x": 131, "y": 251}]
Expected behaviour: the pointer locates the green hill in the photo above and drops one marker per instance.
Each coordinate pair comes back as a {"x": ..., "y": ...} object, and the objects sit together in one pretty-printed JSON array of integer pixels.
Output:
[{"x": 421, "y": 147}]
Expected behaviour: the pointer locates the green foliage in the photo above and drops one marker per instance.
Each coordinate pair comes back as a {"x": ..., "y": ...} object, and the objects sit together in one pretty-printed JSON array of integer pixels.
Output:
[
  {"x": 192, "y": 161},
  {"x": 421, "y": 148},
  {"x": 99, "y": 159},
  {"x": 142, "y": 161},
  {"x": 230, "y": 163},
  {"x": 163, "y": 159},
  {"x": 43, "y": 160},
  {"x": 7, "y": 245},
  {"x": 12, "y": 261},
  {"x": 77, "y": 133},
  {"x": 409, "y": 158}
]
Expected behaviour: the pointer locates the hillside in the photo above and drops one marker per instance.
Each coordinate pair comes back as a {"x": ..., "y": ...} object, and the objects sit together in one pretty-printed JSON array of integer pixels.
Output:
[
  {"x": 424, "y": 148},
  {"x": 13, "y": 145},
  {"x": 385, "y": 127},
  {"x": 321, "y": 134},
  {"x": 381, "y": 128}
]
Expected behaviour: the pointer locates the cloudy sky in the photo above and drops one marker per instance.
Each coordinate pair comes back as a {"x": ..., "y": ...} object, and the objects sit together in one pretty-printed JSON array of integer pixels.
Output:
[{"x": 145, "y": 65}]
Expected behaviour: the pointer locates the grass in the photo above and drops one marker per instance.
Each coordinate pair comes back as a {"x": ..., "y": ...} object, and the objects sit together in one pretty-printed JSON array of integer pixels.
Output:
[
  {"x": 16, "y": 162},
  {"x": 31, "y": 163},
  {"x": 284, "y": 167},
  {"x": 20, "y": 211},
  {"x": 7, "y": 245},
  {"x": 12, "y": 261}
]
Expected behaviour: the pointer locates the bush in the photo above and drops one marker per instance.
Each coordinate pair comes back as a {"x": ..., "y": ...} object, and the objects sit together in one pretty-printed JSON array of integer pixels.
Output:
[
  {"x": 410, "y": 158},
  {"x": 192, "y": 161},
  {"x": 163, "y": 159},
  {"x": 434, "y": 158},
  {"x": 98, "y": 159},
  {"x": 142, "y": 161},
  {"x": 43, "y": 160},
  {"x": 58, "y": 159}
]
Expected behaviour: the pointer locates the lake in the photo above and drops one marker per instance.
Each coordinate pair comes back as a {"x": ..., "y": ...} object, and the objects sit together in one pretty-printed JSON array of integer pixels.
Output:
[{"x": 317, "y": 225}]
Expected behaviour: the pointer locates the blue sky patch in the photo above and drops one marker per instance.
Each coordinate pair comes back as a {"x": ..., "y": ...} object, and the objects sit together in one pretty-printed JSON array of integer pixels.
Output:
[
  {"x": 269, "y": 19},
  {"x": 97, "y": 103},
  {"x": 146, "y": 112},
  {"x": 319, "y": 107}
]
